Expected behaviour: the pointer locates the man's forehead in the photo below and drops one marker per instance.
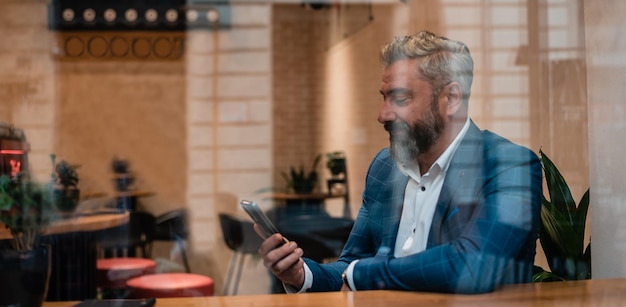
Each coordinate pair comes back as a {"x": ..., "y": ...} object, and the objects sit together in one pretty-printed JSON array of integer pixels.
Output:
[
  {"x": 404, "y": 69},
  {"x": 400, "y": 74}
]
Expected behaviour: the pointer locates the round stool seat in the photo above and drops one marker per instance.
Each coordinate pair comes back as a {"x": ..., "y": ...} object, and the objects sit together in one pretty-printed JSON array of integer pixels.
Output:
[
  {"x": 114, "y": 272},
  {"x": 170, "y": 285}
]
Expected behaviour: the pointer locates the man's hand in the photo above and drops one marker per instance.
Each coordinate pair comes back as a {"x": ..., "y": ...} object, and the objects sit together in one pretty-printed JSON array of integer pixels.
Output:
[{"x": 283, "y": 258}]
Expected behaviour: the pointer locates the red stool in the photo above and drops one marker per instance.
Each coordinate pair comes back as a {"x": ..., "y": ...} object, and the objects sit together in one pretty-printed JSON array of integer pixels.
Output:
[
  {"x": 170, "y": 285},
  {"x": 113, "y": 273}
]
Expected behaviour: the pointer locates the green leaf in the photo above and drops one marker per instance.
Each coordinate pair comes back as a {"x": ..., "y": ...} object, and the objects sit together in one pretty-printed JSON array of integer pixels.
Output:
[
  {"x": 541, "y": 275},
  {"x": 580, "y": 219},
  {"x": 6, "y": 202},
  {"x": 562, "y": 228},
  {"x": 560, "y": 194},
  {"x": 560, "y": 231}
]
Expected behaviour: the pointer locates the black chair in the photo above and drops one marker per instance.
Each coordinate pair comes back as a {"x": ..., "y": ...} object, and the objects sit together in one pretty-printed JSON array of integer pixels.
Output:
[
  {"x": 125, "y": 240},
  {"x": 172, "y": 226},
  {"x": 240, "y": 237},
  {"x": 320, "y": 236}
]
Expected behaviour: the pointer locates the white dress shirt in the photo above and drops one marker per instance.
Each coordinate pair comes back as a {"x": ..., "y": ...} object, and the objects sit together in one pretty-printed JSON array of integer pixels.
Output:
[{"x": 420, "y": 200}]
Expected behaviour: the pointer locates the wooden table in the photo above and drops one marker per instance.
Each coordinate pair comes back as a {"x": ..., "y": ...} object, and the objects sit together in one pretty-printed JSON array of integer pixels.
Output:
[
  {"x": 74, "y": 253},
  {"x": 600, "y": 292},
  {"x": 128, "y": 200},
  {"x": 88, "y": 223}
]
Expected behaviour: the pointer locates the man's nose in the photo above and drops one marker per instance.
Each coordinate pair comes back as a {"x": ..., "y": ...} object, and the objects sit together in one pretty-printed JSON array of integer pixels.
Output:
[{"x": 386, "y": 114}]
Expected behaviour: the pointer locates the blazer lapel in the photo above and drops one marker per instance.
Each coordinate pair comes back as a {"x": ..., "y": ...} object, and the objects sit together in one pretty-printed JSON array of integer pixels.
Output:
[
  {"x": 458, "y": 187},
  {"x": 393, "y": 191}
]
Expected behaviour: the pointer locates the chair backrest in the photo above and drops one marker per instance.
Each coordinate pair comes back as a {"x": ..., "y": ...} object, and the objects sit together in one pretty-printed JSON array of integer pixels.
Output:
[
  {"x": 239, "y": 234},
  {"x": 172, "y": 225},
  {"x": 138, "y": 233},
  {"x": 320, "y": 237}
]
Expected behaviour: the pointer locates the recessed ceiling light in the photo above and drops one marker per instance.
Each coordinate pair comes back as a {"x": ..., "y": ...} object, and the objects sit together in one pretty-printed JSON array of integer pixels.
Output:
[
  {"x": 212, "y": 15},
  {"x": 109, "y": 15},
  {"x": 171, "y": 15},
  {"x": 89, "y": 15},
  {"x": 68, "y": 14},
  {"x": 131, "y": 15},
  {"x": 192, "y": 15},
  {"x": 151, "y": 15}
]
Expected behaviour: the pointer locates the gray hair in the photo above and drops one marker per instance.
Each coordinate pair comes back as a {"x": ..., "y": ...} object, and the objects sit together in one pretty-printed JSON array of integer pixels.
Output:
[{"x": 441, "y": 60}]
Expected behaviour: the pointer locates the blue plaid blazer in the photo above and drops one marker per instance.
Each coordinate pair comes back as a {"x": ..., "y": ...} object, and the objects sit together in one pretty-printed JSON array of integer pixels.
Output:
[{"x": 483, "y": 233}]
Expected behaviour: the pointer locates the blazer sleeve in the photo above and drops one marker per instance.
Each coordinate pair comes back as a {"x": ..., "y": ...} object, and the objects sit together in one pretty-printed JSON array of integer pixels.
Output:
[
  {"x": 492, "y": 234},
  {"x": 367, "y": 234}
]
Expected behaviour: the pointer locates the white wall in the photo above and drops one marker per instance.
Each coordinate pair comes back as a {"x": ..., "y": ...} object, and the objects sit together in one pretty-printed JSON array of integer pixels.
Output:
[{"x": 606, "y": 68}]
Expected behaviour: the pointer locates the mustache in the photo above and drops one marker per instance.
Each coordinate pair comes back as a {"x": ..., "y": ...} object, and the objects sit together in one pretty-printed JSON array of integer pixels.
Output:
[{"x": 390, "y": 126}]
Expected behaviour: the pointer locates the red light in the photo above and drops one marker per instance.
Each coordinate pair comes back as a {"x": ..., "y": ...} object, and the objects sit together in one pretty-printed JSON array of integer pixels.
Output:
[{"x": 11, "y": 152}]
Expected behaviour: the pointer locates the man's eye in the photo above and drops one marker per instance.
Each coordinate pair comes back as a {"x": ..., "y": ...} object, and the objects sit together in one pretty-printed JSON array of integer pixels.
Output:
[{"x": 400, "y": 100}]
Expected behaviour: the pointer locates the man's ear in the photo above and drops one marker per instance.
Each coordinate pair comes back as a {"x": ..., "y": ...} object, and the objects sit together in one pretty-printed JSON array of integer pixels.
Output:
[{"x": 454, "y": 95}]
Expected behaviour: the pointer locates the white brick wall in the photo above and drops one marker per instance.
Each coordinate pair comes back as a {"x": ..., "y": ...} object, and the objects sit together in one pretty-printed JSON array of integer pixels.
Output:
[{"x": 229, "y": 132}]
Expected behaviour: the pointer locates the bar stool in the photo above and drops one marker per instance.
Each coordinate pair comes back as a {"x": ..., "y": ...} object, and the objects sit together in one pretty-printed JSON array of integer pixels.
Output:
[
  {"x": 113, "y": 273},
  {"x": 170, "y": 285}
]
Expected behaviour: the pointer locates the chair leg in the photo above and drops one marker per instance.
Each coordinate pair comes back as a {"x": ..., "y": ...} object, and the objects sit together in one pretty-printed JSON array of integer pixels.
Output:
[
  {"x": 242, "y": 259},
  {"x": 230, "y": 272},
  {"x": 183, "y": 253}
]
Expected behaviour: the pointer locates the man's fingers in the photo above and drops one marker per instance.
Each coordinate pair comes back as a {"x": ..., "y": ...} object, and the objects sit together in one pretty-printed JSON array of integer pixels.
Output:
[
  {"x": 270, "y": 244},
  {"x": 288, "y": 262},
  {"x": 294, "y": 275},
  {"x": 278, "y": 253}
]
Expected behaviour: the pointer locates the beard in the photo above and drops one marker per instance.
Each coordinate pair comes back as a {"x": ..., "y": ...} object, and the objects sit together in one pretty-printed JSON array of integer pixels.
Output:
[{"x": 416, "y": 139}]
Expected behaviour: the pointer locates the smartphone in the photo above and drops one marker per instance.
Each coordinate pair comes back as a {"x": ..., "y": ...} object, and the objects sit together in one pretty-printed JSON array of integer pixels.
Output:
[{"x": 259, "y": 217}]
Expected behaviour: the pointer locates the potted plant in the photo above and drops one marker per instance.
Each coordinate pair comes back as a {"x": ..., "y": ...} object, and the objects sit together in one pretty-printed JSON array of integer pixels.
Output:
[
  {"x": 562, "y": 230},
  {"x": 25, "y": 209},
  {"x": 301, "y": 181},
  {"x": 336, "y": 163},
  {"x": 123, "y": 177},
  {"x": 65, "y": 185}
]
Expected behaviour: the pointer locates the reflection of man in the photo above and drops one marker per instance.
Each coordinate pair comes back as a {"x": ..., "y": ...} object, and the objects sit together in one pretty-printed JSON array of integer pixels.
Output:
[{"x": 448, "y": 208}]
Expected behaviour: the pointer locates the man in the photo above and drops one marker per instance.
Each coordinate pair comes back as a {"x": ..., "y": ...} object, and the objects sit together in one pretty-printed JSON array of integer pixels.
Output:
[{"x": 447, "y": 208}]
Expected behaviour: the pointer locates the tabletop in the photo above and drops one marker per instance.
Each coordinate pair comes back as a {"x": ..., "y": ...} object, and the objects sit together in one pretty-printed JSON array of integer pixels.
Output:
[
  {"x": 597, "y": 292},
  {"x": 83, "y": 223}
]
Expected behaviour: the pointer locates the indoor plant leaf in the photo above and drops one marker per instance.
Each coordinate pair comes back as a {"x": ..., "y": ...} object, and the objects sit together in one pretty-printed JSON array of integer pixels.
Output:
[
  {"x": 560, "y": 194},
  {"x": 562, "y": 228},
  {"x": 580, "y": 218}
]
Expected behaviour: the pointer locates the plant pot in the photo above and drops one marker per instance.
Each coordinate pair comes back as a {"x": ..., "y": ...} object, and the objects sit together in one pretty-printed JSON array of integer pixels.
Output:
[
  {"x": 119, "y": 166},
  {"x": 66, "y": 201},
  {"x": 337, "y": 166},
  {"x": 304, "y": 187},
  {"x": 25, "y": 276}
]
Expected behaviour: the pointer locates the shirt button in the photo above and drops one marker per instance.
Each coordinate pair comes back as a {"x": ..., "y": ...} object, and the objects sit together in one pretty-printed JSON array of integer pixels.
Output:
[
  {"x": 413, "y": 230},
  {"x": 423, "y": 189}
]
